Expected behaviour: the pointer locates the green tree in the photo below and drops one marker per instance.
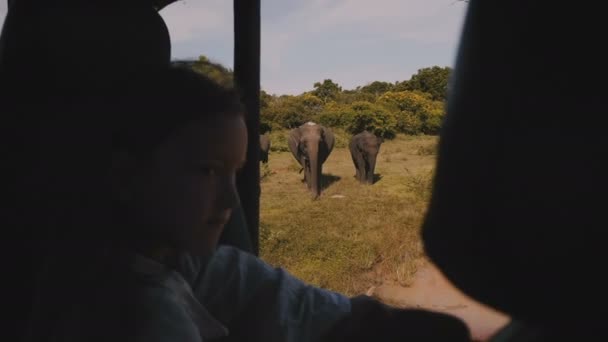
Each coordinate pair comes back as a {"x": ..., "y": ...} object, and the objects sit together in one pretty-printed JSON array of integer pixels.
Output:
[
  {"x": 289, "y": 111},
  {"x": 433, "y": 118},
  {"x": 412, "y": 101},
  {"x": 416, "y": 112},
  {"x": 326, "y": 91},
  {"x": 377, "y": 88},
  {"x": 366, "y": 116},
  {"x": 335, "y": 114},
  {"x": 400, "y": 86},
  {"x": 311, "y": 104},
  {"x": 433, "y": 80},
  {"x": 265, "y": 99},
  {"x": 284, "y": 113},
  {"x": 351, "y": 96},
  {"x": 409, "y": 123}
]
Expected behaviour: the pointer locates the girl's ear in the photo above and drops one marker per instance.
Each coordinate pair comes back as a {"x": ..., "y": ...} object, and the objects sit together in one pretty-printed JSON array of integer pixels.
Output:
[{"x": 121, "y": 175}]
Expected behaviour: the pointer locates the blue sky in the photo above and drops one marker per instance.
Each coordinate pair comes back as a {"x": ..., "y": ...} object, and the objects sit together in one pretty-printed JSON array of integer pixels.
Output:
[{"x": 353, "y": 42}]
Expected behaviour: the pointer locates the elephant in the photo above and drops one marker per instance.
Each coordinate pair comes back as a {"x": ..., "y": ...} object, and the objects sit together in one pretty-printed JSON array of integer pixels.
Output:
[
  {"x": 311, "y": 144},
  {"x": 364, "y": 148},
  {"x": 264, "y": 148}
]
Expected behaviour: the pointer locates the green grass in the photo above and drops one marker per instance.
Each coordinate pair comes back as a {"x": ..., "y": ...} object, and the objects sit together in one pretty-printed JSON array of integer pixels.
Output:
[{"x": 355, "y": 235}]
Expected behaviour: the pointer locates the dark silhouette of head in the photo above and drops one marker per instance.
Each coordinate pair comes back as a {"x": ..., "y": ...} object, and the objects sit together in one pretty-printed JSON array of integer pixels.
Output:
[{"x": 515, "y": 219}]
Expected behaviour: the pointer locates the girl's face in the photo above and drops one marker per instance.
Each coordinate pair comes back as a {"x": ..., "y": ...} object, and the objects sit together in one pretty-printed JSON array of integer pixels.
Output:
[{"x": 187, "y": 192}]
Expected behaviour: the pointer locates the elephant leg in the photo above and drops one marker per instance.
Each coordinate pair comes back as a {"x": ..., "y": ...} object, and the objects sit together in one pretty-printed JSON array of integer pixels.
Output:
[
  {"x": 356, "y": 166},
  {"x": 371, "y": 167},
  {"x": 307, "y": 174},
  {"x": 360, "y": 166},
  {"x": 303, "y": 165},
  {"x": 308, "y": 180}
]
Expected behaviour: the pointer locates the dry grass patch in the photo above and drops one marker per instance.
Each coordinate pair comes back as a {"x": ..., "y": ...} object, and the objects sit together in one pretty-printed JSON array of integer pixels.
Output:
[{"x": 353, "y": 230}]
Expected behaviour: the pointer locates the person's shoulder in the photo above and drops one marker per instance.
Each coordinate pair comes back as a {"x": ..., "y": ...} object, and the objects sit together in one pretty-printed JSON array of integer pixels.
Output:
[
  {"x": 233, "y": 254},
  {"x": 164, "y": 317}
]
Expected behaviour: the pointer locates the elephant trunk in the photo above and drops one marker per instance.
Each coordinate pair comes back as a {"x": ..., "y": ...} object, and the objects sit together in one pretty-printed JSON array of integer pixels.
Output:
[
  {"x": 315, "y": 171},
  {"x": 371, "y": 166}
]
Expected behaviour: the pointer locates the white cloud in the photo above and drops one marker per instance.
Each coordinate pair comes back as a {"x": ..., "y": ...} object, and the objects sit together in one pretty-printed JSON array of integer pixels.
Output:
[
  {"x": 3, "y": 10},
  {"x": 196, "y": 19}
]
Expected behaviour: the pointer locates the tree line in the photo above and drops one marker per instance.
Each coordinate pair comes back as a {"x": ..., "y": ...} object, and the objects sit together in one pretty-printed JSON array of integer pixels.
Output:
[{"x": 414, "y": 106}]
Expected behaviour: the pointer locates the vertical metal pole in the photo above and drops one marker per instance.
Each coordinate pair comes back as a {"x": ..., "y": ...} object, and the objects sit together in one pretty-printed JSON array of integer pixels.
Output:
[{"x": 247, "y": 78}]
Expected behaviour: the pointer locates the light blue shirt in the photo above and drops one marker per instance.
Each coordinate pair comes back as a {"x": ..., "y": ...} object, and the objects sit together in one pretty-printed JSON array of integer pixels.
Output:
[
  {"x": 193, "y": 305},
  {"x": 169, "y": 309}
]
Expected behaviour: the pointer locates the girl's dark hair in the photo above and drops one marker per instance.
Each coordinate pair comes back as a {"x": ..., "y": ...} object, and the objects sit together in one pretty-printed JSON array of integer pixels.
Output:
[{"x": 154, "y": 104}]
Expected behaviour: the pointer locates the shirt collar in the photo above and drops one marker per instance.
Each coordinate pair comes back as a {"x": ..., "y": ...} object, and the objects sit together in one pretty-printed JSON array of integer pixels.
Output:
[{"x": 208, "y": 326}]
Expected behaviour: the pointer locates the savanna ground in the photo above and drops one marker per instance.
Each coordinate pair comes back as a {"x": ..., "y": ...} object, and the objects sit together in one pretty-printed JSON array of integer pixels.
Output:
[
  {"x": 355, "y": 236},
  {"x": 359, "y": 238}
]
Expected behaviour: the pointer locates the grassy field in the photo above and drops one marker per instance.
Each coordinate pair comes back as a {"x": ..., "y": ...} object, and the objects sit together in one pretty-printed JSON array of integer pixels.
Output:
[{"x": 355, "y": 235}]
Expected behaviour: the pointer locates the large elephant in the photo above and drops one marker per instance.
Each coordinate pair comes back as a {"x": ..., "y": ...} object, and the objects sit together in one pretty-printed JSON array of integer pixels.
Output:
[
  {"x": 311, "y": 144},
  {"x": 364, "y": 148},
  {"x": 264, "y": 148}
]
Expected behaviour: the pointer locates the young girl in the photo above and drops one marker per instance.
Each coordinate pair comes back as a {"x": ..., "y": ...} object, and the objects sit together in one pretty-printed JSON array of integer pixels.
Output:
[
  {"x": 174, "y": 182},
  {"x": 156, "y": 273}
]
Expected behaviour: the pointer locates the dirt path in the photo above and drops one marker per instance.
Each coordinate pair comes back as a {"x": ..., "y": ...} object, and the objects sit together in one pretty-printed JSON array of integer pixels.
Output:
[{"x": 430, "y": 290}]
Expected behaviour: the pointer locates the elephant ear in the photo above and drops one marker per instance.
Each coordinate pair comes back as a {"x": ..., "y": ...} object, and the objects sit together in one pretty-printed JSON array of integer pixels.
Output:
[
  {"x": 329, "y": 139},
  {"x": 294, "y": 141}
]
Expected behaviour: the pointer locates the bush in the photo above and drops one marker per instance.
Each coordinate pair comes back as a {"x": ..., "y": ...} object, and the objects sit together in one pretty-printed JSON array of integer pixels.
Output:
[
  {"x": 366, "y": 116},
  {"x": 415, "y": 111},
  {"x": 335, "y": 115},
  {"x": 342, "y": 137},
  {"x": 412, "y": 107},
  {"x": 291, "y": 111},
  {"x": 351, "y": 96},
  {"x": 409, "y": 112},
  {"x": 284, "y": 114},
  {"x": 278, "y": 140},
  {"x": 409, "y": 123},
  {"x": 433, "y": 118},
  {"x": 410, "y": 101}
]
